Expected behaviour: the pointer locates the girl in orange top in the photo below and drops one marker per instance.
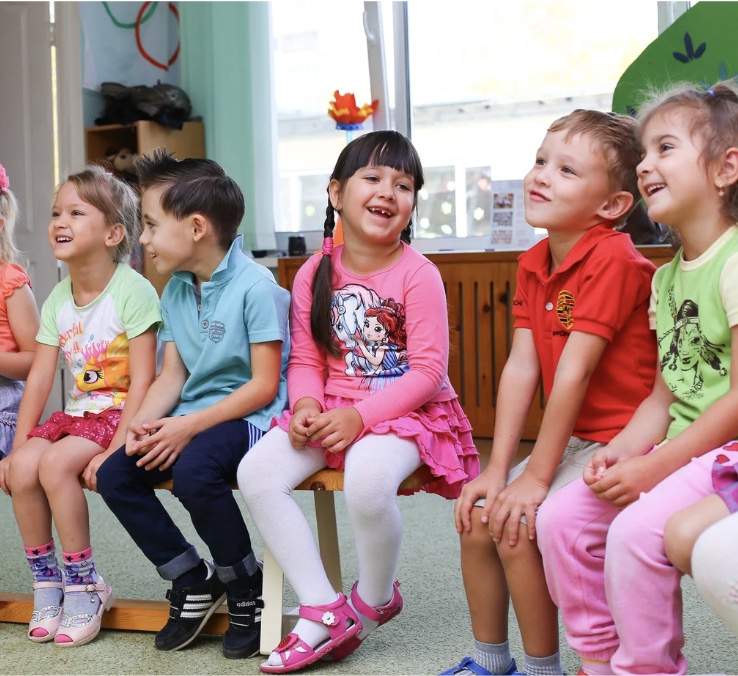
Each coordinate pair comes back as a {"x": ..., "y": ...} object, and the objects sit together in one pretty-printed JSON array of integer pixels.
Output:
[{"x": 18, "y": 325}]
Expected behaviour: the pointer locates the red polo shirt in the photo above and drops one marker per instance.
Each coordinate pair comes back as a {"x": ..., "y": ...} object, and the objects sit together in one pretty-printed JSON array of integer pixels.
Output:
[{"x": 602, "y": 287}]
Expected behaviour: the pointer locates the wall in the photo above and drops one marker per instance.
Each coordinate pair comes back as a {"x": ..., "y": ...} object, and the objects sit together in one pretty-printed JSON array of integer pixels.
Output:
[{"x": 226, "y": 71}]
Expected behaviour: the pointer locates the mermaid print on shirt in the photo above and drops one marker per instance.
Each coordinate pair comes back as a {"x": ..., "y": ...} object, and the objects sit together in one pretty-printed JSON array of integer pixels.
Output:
[
  {"x": 372, "y": 331},
  {"x": 690, "y": 351}
]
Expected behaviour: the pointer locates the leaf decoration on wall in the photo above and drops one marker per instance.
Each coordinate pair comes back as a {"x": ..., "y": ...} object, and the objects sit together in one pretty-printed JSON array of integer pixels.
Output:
[{"x": 691, "y": 52}]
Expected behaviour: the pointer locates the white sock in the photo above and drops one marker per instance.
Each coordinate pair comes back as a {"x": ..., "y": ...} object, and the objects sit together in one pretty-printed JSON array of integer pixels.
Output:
[
  {"x": 543, "y": 666},
  {"x": 494, "y": 657},
  {"x": 313, "y": 633}
]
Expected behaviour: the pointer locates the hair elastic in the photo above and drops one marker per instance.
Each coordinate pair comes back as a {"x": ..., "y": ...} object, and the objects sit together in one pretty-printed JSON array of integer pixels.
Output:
[
  {"x": 710, "y": 92},
  {"x": 4, "y": 180},
  {"x": 327, "y": 249}
]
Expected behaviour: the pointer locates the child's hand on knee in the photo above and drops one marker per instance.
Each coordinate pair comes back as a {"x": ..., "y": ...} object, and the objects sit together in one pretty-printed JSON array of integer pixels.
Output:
[
  {"x": 487, "y": 485},
  {"x": 521, "y": 498},
  {"x": 89, "y": 476}
]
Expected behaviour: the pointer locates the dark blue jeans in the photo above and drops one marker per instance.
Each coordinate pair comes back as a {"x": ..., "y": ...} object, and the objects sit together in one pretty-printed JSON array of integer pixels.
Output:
[{"x": 201, "y": 477}]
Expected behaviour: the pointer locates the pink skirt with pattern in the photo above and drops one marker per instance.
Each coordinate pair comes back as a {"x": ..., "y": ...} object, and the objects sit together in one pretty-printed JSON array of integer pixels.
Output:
[
  {"x": 725, "y": 477},
  {"x": 97, "y": 427},
  {"x": 441, "y": 431}
]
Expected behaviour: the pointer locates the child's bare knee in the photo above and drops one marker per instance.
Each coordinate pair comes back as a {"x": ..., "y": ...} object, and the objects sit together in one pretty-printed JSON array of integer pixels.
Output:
[
  {"x": 479, "y": 535},
  {"x": 510, "y": 553},
  {"x": 679, "y": 539}
]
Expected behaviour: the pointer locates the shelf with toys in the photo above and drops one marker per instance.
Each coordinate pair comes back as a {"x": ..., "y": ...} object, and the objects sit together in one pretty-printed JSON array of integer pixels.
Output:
[{"x": 120, "y": 144}]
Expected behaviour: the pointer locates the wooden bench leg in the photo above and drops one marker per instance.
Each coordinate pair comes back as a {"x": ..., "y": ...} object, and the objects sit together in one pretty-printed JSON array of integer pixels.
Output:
[
  {"x": 272, "y": 594},
  {"x": 325, "y": 513}
]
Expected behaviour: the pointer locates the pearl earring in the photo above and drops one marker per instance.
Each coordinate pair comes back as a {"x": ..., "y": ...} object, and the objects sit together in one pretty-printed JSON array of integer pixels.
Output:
[{"x": 721, "y": 192}]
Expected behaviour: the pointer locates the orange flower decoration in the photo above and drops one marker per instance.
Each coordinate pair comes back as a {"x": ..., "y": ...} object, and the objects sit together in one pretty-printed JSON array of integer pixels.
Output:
[{"x": 345, "y": 112}]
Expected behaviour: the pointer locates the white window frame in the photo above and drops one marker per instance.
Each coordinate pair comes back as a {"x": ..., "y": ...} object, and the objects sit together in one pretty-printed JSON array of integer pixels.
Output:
[{"x": 668, "y": 12}]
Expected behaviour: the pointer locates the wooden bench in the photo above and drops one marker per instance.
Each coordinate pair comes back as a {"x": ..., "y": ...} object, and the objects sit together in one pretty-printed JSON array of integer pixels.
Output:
[{"x": 143, "y": 615}]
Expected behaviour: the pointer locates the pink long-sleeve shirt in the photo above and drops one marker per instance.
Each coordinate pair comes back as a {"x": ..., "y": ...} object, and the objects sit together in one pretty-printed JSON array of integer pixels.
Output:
[{"x": 392, "y": 375}]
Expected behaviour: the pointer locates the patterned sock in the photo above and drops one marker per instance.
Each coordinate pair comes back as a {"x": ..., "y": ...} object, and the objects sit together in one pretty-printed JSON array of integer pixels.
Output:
[
  {"x": 596, "y": 667},
  {"x": 543, "y": 666},
  {"x": 44, "y": 568},
  {"x": 79, "y": 568},
  {"x": 494, "y": 657}
]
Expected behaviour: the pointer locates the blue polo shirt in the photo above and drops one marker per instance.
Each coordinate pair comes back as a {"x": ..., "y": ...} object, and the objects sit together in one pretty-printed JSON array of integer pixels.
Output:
[{"x": 239, "y": 306}]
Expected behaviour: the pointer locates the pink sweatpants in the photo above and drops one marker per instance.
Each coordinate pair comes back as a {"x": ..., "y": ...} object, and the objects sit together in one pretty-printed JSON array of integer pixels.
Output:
[{"x": 626, "y": 606}]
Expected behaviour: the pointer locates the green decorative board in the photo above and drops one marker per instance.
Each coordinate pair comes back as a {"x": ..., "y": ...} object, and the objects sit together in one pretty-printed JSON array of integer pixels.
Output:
[{"x": 700, "y": 47}]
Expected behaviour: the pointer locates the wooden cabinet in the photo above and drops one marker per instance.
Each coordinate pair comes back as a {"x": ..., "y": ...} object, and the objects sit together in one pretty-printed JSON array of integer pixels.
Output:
[
  {"x": 141, "y": 138},
  {"x": 480, "y": 287}
]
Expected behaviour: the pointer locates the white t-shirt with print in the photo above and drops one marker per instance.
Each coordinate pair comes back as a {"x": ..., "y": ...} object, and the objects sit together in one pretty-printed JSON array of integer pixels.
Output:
[{"x": 95, "y": 338}]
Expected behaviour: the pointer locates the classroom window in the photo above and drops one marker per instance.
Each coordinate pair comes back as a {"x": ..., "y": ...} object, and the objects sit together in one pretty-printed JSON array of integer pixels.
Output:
[{"x": 485, "y": 81}]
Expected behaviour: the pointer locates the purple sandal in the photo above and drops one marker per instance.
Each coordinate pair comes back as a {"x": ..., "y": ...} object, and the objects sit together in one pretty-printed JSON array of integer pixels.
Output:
[
  {"x": 340, "y": 620},
  {"x": 381, "y": 615}
]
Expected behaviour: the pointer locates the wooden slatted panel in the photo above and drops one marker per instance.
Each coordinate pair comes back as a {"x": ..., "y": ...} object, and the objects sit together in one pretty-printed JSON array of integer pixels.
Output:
[{"x": 480, "y": 287}]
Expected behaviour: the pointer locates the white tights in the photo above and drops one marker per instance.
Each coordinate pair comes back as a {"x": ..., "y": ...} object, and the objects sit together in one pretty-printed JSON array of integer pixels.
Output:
[
  {"x": 715, "y": 569},
  {"x": 375, "y": 467}
]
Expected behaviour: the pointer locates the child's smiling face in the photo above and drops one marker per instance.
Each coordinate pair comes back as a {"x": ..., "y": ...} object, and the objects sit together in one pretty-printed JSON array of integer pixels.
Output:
[
  {"x": 375, "y": 204},
  {"x": 77, "y": 231},
  {"x": 672, "y": 177},
  {"x": 568, "y": 185}
]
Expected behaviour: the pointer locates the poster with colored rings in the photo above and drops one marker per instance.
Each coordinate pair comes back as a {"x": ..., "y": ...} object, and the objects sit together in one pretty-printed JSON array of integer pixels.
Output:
[{"x": 131, "y": 43}]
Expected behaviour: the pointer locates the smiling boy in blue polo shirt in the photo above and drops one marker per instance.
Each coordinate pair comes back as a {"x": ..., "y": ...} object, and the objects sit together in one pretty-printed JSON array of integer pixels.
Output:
[{"x": 226, "y": 343}]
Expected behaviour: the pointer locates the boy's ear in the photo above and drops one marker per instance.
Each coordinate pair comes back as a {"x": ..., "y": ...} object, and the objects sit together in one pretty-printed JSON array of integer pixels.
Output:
[
  {"x": 727, "y": 170},
  {"x": 115, "y": 235},
  {"x": 200, "y": 227},
  {"x": 616, "y": 206},
  {"x": 334, "y": 192}
]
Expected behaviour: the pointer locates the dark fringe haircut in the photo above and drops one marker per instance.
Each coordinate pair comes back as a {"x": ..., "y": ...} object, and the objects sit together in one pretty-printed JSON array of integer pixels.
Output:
[
  {"x": 194, "y": 186},
  {"x": 379, "y": 149}
]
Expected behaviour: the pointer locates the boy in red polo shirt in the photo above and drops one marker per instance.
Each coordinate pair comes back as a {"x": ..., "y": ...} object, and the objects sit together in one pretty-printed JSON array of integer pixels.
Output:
[{"x": 581, "y": 326}]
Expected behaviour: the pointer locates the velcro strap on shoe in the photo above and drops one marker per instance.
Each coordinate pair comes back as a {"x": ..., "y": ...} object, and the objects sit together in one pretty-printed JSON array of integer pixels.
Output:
[
  {"x": 188, "y": 606},
  {"x": 245, "y": 610}
]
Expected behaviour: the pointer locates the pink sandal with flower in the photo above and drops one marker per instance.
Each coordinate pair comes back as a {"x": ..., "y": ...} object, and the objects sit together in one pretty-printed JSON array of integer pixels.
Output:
[
  {"x": 340, "y": 620},
  {"x": 380, "y": 614}
]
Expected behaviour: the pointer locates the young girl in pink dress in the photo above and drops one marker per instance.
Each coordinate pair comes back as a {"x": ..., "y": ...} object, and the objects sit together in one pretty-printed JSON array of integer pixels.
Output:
[{"x": 349, "y": 411}]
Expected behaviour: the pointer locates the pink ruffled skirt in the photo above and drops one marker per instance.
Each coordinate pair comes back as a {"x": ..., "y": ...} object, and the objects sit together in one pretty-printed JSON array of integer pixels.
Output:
[{"x": 440, "y": 430}]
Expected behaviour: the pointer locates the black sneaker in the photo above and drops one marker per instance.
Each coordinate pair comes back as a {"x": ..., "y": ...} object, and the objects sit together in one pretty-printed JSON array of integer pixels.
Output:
[
  {"x": 242, "y": 637},
  {"x": 189, "y": 610}
]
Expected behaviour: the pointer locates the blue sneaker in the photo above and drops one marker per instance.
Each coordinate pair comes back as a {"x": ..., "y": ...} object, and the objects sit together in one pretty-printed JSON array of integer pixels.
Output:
[{"x": 470, "y": 666}]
